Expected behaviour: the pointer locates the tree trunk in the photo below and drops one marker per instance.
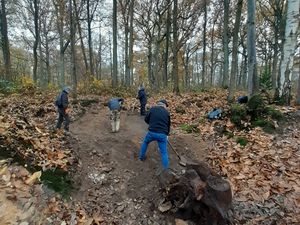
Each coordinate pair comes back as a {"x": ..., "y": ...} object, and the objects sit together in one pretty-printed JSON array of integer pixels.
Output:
[
  {"x": 90, "y": 41},
  {"x": 150, "y": 69},
  {"x": 251, "y": 48},
  {"x": 130, "y": 56},
  {"x": 80, "y": 36},
  {"x": 115, "y": 50},
  {"x": 289, "y": 47},
  {"x": 36, "y": 39},
  {"x": 204, "y": 45},
  {"x": 126, "y": 50},
  {"x": 225, "y": 44},
  {"x": 175, "y": 49},
  {"x": 73, "y": 53},
  {"x": 298, "y": 89},
  {"x": 48, "y": 69},
  {"x": 234, "y": 62},
  {"x": 166, "y": 55},
  {"x": 5, "y": 42}
]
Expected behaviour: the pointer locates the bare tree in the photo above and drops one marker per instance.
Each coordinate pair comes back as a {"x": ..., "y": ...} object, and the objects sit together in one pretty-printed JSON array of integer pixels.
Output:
[
  {"x": 225, "y": 44},
  {"x": 234, "y": 61},
  {"x": 115, "y": 51},
  {"x": 5, "y": 42},
  {"x": 251, "y": 49}
]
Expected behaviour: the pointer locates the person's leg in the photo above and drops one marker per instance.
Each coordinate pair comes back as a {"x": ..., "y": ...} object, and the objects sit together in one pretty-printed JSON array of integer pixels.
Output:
[
  {"x": 118, "y": 120},
  {"x": 143, "y": 110},
  {"x": 162, "y": 144},
  {"x": 112, "y": 121},
  {"x": 67, "y": 121},
  {"x": 148, "y": 138},
  {"x": 60, "y": 119}
]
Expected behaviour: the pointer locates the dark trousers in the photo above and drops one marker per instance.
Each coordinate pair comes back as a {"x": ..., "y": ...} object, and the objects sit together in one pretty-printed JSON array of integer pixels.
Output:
[
  {"x": 143, "y": 109},
  {"x": 63, "y": 117}
]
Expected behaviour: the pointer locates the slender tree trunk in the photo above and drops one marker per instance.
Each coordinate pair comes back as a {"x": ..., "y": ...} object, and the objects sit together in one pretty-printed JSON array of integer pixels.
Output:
[
  {"x": 80, "y": 37},
  {"x": 36, "y": 40},
  {"x": 73, "y": 53},
  {"x": 48, "y": 69},
  {"x": 204, "y": 45},
  {"x": 175, "y": 49},
  {"x": 130, "y": 57},
  {"x": 90, "y": 41},
  {"x": 99, "y": 64},
  {"x": 212, "y": 60},
  {"x": 150, "y": 62},
  {"x": 252, "y": 66},
  {"x": 115, "y": 50},
  {"x": 166, "y": 55},
  {"x": 298, "y": 89},
  {"x": 126, "y": 50},
  {"x": 225, "y": 44},
  {"x": 5, "y": 42},
  {"x": 234, "y": 62},
  {"x": 289, "y": 47}
]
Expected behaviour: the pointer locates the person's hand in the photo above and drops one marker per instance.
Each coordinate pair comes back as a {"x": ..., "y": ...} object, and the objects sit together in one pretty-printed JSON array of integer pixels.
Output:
[{"x": 67, "y": 110}]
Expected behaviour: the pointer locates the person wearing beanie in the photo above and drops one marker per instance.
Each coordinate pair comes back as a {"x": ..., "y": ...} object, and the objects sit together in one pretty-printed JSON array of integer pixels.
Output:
[
  {"x": 62, "y": 104},
  {"x": 143, "y": 99},
  {"x": 114, "y": 106},
  {"x": 159, "y": 122}
]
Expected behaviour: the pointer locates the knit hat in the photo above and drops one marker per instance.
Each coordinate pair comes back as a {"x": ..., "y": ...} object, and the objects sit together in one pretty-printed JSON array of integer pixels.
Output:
[
  {"x": 67, "y": 89},
  {"x": 164, "y": 101}
]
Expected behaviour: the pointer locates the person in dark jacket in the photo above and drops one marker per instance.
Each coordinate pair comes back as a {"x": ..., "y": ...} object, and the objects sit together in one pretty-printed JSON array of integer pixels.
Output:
[
  {"x": 143, "y": 99},
  {"x": 62, "y": 104},
  {"x": 114, "y": 106},
  {"x": 159, "y": 122}
]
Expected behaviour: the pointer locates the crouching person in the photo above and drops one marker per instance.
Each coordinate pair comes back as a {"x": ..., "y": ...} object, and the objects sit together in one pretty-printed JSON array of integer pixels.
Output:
[
  {"x": 159, "y": 122},
  {"x": 114, "y": 106}
]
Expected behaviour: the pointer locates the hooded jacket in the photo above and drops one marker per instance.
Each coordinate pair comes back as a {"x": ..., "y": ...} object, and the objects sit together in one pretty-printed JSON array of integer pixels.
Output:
[{"x": 142, "y": 96}]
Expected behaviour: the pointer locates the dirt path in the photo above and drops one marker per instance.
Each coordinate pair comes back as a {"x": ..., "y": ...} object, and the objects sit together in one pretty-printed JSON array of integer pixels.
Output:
[{"x": 111, "y": 179}]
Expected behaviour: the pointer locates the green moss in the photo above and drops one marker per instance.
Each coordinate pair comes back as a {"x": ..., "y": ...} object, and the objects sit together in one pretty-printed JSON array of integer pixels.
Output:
[
  {"x": 238, "y": 113},
  {"x": 180, "y": 109},
  {"x": 256, "y": 107},
  {"x": 274, "y": 113},
  {"x": 242, "y": 141},
  {"x": 228, "y": 134},
  {"x": 189, "y": 128},
  {"x": 266, "y": 125}
]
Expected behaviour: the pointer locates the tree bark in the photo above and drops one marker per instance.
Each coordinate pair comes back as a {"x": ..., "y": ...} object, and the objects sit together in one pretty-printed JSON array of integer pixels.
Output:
[
  {"x": 90, "y": 41},
  {"x": 204, "y": 45},
  {"x": 289, "y": 47},
  {"x": 115, "y": 50},
  {"x": 166, "y": 55},
  {"x": 5, "y": 42},
  {"x": 175, "y": 49},
  {"x": 36, "y": 39},
  {"x": 251, "y": 48},
  {"x": 73, "y": 53},
  {"x": 234, "y": 62},
  {"x": 130, "y": 56},
  {"x": 225, "y": 44},
  {"x": 298, "y": 89}
]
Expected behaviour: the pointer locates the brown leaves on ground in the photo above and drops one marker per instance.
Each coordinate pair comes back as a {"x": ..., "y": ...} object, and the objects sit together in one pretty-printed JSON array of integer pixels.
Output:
[{"x": 264, "y": 174}]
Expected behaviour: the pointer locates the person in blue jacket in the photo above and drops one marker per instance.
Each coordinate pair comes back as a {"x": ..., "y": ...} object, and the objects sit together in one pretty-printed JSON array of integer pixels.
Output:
[
  {"x": 114, "y": 105},
  {"x": 159, "y": 122},
  {"x": 143, "y": 99},
  {"x": 62, "y": 104}
]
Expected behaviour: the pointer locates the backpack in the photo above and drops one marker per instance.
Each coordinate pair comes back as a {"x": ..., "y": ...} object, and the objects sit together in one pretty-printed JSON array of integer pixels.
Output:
[
  {"x": 214, "y": 114},
  {"x": 58, "y": 101}
]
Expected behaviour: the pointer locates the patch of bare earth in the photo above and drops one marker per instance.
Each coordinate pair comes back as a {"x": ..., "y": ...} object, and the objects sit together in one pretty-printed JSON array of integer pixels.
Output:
[{"x": 111, "y": 181}]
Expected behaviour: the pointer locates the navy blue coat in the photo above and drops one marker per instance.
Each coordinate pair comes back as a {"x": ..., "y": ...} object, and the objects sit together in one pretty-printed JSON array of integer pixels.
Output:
[
  {"x": 62, "y": 100},
  {"x": 159, "y": 120},
  {"x": 142, "y": 96}
]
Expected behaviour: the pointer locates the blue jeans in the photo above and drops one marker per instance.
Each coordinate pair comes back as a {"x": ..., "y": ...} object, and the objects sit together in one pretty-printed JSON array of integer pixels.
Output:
[{"x": 162, "y": 144}]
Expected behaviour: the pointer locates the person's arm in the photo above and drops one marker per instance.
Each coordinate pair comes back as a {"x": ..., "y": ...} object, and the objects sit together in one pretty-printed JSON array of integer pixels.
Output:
[
  {"x": 147, "y": 117},
  {"x": 169, "y": 124},
  {"x": 65, "y": 101}
]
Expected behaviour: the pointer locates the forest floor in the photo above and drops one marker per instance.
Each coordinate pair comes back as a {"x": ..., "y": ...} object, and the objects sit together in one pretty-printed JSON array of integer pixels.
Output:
[
  {"x": 109, "y": 185},
  {"x": 111, "y": 178}
]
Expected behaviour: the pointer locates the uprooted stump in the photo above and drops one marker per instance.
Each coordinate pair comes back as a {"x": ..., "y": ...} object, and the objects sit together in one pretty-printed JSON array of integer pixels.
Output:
[{"x": 199, "y": 194}]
